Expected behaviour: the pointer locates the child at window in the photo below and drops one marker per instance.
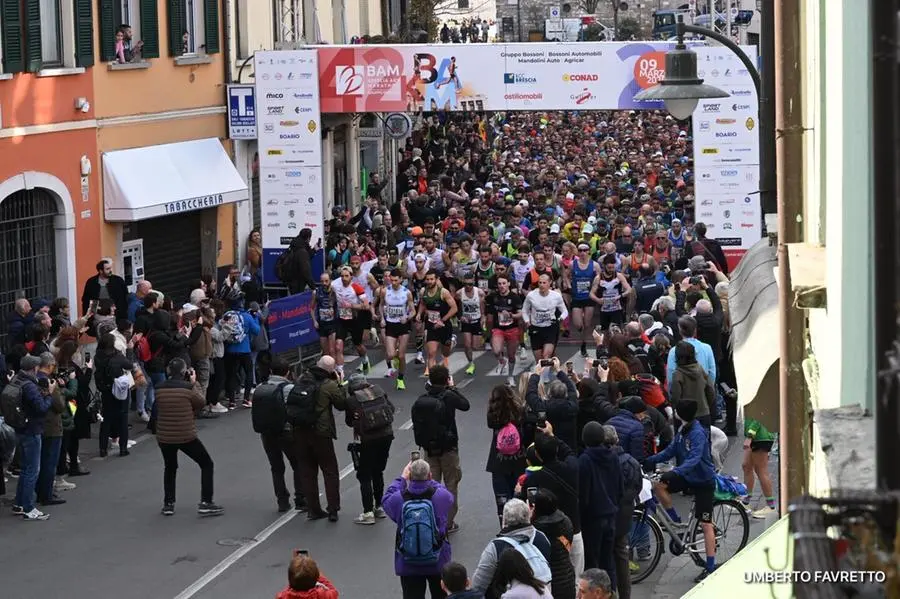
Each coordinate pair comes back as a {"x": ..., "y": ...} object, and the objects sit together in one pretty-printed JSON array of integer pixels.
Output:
[{"x": 120, "y": 46}]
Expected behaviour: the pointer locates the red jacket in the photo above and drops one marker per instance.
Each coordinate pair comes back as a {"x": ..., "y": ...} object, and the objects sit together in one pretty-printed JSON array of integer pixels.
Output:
[{"x": 323, "y": 590}]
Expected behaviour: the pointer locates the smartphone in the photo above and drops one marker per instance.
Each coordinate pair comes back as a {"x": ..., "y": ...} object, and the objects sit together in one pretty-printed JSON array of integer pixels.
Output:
[
  {"x": 695, "y": 280},
  {"x": 415, "y": 455},
  {"x": 303, "y": 552},
  {"x": 546, "y": 362},
  {"x": 569, "y": 365},
  {"x": 604, "y": 362},
  {"x": 542, "y": 419},
  {"x": 92, "y": 306},
  {"x": 87, "y": 356},
  {"x": 530, "y": 494}
]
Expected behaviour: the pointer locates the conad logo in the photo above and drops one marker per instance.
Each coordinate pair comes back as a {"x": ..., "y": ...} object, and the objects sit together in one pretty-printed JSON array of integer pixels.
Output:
[{"x": 581, "y": 77}]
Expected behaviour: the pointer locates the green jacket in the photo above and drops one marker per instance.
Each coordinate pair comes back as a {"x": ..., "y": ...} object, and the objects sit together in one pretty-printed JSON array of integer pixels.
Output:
[
  {"x": 331, "y": 396},
  {"x": 755, "y": 431}
]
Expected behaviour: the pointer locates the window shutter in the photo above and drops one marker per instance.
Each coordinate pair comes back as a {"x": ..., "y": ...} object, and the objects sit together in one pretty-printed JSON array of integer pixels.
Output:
[
  {"x": 84, "y": 33},
  {"x": 106, "y": 27},
  {"x": 211, "y": 25},
  {"x": 11, "y": 36},
  {"x": 33, "y": 60},
  {"x": 177, "y": 26},
  {"x": 149, "y": 29}
]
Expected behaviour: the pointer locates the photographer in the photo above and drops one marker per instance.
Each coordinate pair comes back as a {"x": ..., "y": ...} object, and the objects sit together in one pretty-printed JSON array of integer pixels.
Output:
[
  {"x": 53, "y": 429},
  {"x": 178, "y": 401},
  {"x": 305, "y": 581},
  {"x": 560, "y": 402},
  {"x": 78, "y": 388}
]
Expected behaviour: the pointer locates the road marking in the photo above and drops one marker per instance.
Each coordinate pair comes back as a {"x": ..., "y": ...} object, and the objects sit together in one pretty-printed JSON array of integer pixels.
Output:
[
  {"x": 239, "y": 553},
  {"x": 406, "y": 425}
]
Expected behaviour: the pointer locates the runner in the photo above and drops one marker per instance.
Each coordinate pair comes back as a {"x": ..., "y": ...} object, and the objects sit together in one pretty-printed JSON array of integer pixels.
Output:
[
  {"x": 612, "y": 287},
  {"x": 436, "y": 308},
  {"x": 351, "y": 302},
  {"x": 484, "y": 269},
  {"x": 505, "y": 310},
  {"x": 541, "y": 312},
  {"x": 397, "y": 309},
  {"x": 369, "y": 285},
  {"x": 416, "y": 285},
  {"x": 471, "y": 303},
  {"x": 581, "y": 278},
  {"x": 322, "y": 310}
]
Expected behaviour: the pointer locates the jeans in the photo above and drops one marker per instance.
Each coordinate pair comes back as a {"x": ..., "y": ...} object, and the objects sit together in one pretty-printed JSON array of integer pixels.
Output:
[
  {"x": 197, "y": 452},
  {"x": 445, "y": 469},
  {"x": 235, "y": 366},
  {"x": 50, "y": 447},
  {"x": 216, "y": 381},
  {"x": 30, "y": 459},
  {"x": 278, "y": 447},
  {"x": 414, "y": 587},
  {"x": 373, "y": 458},
  {"x": 599, "y": 540},
  {"x": 145, "y": 396},
  {"x": 504, "y": 486},
  {"x": 115, "y": 423},
  {"x": 315, "y": 452}
]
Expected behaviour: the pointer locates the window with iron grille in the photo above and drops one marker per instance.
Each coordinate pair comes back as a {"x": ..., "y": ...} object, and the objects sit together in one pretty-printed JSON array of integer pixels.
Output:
[{"x": 27, "y": 251}]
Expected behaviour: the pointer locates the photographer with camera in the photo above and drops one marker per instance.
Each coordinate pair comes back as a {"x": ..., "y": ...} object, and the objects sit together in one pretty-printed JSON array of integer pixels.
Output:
[
  {"x": 51, "y": 443},
  {"x": 178, "y": 401},
  {"x": 306, "y": 581}
]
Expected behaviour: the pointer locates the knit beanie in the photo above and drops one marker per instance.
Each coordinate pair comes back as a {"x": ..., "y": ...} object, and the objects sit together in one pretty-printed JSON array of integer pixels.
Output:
[{"x": 592, "y": 435}]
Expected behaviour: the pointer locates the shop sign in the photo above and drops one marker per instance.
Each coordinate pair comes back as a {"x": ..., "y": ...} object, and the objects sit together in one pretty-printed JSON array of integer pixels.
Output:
[{"x": 194, "y": 204}]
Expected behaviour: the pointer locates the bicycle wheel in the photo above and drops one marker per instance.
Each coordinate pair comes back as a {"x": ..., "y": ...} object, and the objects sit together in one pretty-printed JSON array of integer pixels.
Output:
[
  {"x": 645, "y": 541},
  {"x": 732, "y": 528}
]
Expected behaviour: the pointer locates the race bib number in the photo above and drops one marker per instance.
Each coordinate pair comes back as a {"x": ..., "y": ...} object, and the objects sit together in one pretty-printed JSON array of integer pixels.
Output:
[
  {"x": 610, "y": 304},
  {"x": 433, "y": 316},
  {"x": 471, "y": 313},
  {"x": 396, "y": 312},
  {"x": 483, "y": 284},
  {"x": 326, "y": 314},
  {"x": 582, "y": 287},
  {"x": 543, "y": 318},
  {"x": 505, "y": 318},
  {"x": 345, "y": 313}
]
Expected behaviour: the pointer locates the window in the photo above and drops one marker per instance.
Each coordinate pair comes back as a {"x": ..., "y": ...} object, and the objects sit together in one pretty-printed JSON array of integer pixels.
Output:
[
  {"x": 130, "y": 14},
  {"x": 462, "y": 4},
  {"x": 241, "y": 29},
  {"x": 51, "y": 33},
  {"x": 193, "y": 27}
]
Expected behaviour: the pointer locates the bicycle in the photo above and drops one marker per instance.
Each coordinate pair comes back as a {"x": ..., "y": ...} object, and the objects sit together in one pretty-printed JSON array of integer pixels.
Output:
[{"x": 646, "y": 553}]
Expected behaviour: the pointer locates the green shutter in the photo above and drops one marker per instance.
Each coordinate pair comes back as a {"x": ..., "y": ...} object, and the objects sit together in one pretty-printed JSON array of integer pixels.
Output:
[
  {"x": 84, "y": 33},
  {"x": 33, "y": 60},
  {"x": 106, "y": 27},
  {"x": 11, "y": 36},
  {"x": 177, "y": 27},
  {"x": 211, "y": 25},
  {"x": 149, "y": 29}
]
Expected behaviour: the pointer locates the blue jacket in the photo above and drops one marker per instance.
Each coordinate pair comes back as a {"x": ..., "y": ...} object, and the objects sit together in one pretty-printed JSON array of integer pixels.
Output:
[
  {"x": 631, "y": 433},
  {"x": 35, "y": 405},
  {"x": 600, "y": 485},
  {"x": 692, "y": 454},
  {"x": 251, "y": 328},
  {"x": 705, "y": 357},
  {"x": 134, "y": 306},
  {"x": 16, "y": 327},
  {"x": 469, "y": 594}
]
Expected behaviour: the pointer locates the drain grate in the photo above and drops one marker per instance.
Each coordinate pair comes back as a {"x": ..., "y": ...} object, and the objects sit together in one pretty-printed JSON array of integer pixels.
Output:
[{"x": 236, "y": 542}]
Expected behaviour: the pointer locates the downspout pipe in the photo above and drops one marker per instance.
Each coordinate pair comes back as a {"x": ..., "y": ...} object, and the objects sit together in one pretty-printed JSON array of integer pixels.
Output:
[
  {"x": 226, "y": 41},
  {"x": 792, "y": 399}
]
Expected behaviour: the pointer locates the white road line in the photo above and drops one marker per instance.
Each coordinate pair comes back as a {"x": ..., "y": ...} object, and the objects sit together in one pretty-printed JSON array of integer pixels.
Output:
[
  {"x": 239, "y": 553},
  {"x": 406, "y": 425}
]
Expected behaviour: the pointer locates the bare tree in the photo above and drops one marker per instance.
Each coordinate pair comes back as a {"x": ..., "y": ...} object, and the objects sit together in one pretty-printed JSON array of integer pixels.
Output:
[{"x": 589, "y": 6}]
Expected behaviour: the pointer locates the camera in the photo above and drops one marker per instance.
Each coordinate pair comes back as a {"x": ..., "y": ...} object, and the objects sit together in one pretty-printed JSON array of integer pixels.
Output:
[{"x": 695, "y": 279}]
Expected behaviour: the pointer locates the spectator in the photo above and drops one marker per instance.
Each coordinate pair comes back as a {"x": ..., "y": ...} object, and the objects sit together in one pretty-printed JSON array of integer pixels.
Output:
[
  {"x": 600, "y": 489},
  {"x": 689, "y": 381},
  {"x": 455, "y": 582},
  {"x": 105, "y": 285},
  {"x": 595, "y": 584},
  {"x": 557, "y": 527},
  {"x": 18, "y": 321},
  {"x": 516, "y": 576},
  {"x": 36, "y": 402},
  {"x": 306, "y": 581}
]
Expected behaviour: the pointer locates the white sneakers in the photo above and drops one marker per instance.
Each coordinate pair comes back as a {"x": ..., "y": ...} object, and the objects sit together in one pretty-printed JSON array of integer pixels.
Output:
[
  {"x": 145, "y": 416},
  {"x": 218, "y": 408},
  {"x": 61, "y": 484},
  {"x": 366, "y": 518},
  {"x": 35, "y": 515}
]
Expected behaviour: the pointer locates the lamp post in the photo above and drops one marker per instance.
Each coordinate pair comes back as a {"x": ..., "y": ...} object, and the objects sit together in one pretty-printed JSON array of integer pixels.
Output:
[{"x": 682, "y": 89}]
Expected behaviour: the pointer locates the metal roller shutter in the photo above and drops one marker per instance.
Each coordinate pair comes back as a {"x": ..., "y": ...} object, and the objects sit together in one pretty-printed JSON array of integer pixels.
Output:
[{"x": 172, "y": 261}]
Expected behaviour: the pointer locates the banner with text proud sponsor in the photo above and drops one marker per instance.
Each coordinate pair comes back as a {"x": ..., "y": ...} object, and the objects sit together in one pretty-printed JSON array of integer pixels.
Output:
[{"x": 534, "y": 76}]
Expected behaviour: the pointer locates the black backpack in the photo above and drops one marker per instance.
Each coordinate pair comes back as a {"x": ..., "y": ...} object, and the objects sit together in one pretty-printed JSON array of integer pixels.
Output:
[
  {"x": 11, "y": 407},
  {"x": 376, "y": 412},
  {"x": 632, "y": 477},
  {"x": 302, "y": 405},
  {"x": 429, "y": 428},
  {"x": 284, "y": 265},
  {"x": 269, "y": 414}
]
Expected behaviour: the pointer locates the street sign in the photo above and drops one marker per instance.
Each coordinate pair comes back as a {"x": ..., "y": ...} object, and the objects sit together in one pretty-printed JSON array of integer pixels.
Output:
[
  {"x": 397, "y": 125},
  {"x": 241, "y": 112}
]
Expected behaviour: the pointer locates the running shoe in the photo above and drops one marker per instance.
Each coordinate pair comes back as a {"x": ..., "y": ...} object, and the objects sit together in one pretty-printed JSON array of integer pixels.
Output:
[
  {"x": 35, "y": 515},
  {"x": 401, "y": 385},
  {"x": 764, "y": 512},
  {"x": 452, "y": 342},
  {"x": 420, "y": 359},
  {"x": 391, "y": 373},
  {"x": 208, "y": 508},
  {"x": 168, "y": 509},
  {"x": 470, "y": 370}
]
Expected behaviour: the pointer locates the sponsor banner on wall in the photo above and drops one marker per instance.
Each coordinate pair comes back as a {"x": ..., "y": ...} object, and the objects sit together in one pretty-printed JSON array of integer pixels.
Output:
[
  {"x": 726, "y": 153},
  {"x": 534, "y": 76},
  {"x": 290, "y": 150}
]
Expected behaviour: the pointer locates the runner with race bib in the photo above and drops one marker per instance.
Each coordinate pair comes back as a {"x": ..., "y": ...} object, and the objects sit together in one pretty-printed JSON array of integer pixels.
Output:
[
  {"x": 471, "y": 302},
  {"x": 504, "y": 310},
  {"x": 542, "y": 311},
  {"x": 396, "y": 312}
]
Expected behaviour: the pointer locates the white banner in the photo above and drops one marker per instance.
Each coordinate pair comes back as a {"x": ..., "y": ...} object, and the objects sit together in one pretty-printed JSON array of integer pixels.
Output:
[
  {"x": 726, "y": 151},
  {"x": 290, "y": 148}
]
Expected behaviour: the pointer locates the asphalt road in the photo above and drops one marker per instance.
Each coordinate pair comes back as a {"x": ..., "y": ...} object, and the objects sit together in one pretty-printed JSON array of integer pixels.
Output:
[{"x": 110, "y": 541}]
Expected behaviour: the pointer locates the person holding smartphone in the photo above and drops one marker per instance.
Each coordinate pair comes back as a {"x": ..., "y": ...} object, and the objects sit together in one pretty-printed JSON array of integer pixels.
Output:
[{"x": 306, "y": 581}]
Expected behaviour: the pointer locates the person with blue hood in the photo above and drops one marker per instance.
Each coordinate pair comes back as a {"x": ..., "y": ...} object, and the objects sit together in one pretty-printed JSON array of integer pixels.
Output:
[
  {"x": 600, "y": 490},
  {"x": 238, "y": 326},
  {"x": 694, "y": 470}
]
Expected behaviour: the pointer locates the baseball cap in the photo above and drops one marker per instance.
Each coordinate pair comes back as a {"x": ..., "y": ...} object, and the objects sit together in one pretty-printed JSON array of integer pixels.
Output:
[
  {"x": 29, "y": 362},
  {"x": 554, "y": 228},
  {"x": 587, "y": 228}
]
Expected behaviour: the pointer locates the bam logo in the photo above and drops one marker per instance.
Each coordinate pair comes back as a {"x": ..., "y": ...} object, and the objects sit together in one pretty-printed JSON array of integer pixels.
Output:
[{"x": 348, "y": 80}]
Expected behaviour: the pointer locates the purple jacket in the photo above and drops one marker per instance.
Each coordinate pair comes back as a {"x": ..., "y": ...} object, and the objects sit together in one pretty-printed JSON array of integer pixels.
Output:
[{"x": 392, "y": 502}]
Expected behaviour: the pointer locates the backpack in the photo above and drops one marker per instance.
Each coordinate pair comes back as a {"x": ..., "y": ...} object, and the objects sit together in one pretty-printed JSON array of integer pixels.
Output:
[
  {"x": 376, "y": 412},
  {"x": 651, "y": 391},
  {"x": 509, "y": 442},
  {"x": 639, "y": 351},
  {"x": 284, "y": 265},
  {"x": 232, "y": 325},
  {"x": 632, "y": 477},
  {"x": 429, "y": 430},
  {"x": 269, "y": 414},
  {"x": 728, "y": 487},
  {"x": 418, "y": 540},
  {"x": 11, "y": 407},
  {"x": 302, "y": 406},
  {"x": 534, "y": 556}
]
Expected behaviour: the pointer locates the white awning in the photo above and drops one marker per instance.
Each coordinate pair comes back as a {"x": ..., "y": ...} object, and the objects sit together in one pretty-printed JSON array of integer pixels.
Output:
[{"x": 153, "y": 181}]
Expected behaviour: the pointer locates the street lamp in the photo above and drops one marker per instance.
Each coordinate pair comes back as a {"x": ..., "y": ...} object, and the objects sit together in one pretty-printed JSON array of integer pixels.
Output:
[{"x": 681, "y": 89}]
